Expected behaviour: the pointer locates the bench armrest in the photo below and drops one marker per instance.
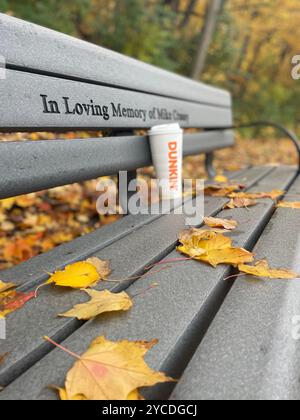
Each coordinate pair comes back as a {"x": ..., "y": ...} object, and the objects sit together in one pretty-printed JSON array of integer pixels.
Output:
[{"x": 290, "y": 134}]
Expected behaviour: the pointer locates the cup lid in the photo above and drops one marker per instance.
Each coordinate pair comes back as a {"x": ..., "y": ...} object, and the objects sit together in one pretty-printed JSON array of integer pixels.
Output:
[{"x": 165, "y": 128}]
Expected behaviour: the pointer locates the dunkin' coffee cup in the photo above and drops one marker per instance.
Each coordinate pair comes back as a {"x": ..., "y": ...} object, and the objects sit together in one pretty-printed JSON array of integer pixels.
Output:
[{"x": 166, "y": 143}]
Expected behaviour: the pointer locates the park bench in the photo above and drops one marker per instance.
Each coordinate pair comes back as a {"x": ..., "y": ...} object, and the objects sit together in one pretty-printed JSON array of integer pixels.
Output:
[{"x": 224, "y": 339}]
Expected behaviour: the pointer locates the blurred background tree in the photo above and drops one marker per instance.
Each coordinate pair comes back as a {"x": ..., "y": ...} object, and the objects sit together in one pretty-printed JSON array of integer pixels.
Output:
[{"x": 245, "y": 46}]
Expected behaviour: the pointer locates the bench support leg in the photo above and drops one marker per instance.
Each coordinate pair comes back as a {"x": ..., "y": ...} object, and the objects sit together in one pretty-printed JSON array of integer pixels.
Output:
[{"x": 209, "y": 165}]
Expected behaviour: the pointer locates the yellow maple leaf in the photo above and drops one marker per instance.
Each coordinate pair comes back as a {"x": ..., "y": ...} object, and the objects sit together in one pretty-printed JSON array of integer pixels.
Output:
[
  {"x": 191, "y": 241},
  {"x": 262, "y": 269},
  {"x": 213, "y": 248},
  {"x": 100, "y": 303},
  {"x": 231, "y": 256},
  {"x": 64, "y": 396},
  {"x": 238, "y": 203},
  {"x": 220, "y": 223},
  {"x": 6, "y": 286},
  {"x": 111, "y": 370},
  {"x": 81, "y": 275},
  {"x": 133, "y": 396},
  {"x": 289, "y": 205}
]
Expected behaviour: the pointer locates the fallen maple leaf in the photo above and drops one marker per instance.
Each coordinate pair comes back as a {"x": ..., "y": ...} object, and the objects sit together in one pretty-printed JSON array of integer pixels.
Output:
[
  {"x": 289, "y": 205},
  {"x": 191, "y": 240},
  {"x": 220, "y": 223},
  {"x": 257, "y": 196},
  {"x": 262, "y": 269},
  {"x": 110, "y": 370},
  {"x": 238, "y": 203},
  {"x": 11, "y": 301},
  {"x": 3, "y": 357},
  {"x": 100, "y": 303},
  {"x": 221, "y": 190},
  {"x": 81, "y": 275},
  {"x": 6, "y": 286},
  {"x": 213, "y": 248},
  {"x": 133, "y": 396}
]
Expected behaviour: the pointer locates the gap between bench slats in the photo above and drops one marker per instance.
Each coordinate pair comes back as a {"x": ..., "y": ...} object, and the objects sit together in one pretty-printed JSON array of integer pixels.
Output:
[
  {"x": 249, "y": 352},
  {"x": 39, "y": 165},
  {"x": 129, "y": 256}
]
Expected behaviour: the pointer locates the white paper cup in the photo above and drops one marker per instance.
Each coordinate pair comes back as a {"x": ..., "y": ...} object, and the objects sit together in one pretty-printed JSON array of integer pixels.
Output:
[{"x": 166, "y": 142}]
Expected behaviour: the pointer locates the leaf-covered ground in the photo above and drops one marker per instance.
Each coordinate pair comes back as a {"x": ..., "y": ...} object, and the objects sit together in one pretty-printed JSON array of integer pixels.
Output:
[{"x": 37, "y": 222}]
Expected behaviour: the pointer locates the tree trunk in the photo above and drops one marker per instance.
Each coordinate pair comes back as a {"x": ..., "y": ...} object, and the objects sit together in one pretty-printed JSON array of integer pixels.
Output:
[
  {"x": 213, "y": 10},
  {"x": 174, "y": 4},
  {"x": 187, "y": 14}
]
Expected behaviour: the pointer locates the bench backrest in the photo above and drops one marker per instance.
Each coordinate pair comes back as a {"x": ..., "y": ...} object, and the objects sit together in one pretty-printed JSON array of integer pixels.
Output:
[{"x": 55, "y": 82}]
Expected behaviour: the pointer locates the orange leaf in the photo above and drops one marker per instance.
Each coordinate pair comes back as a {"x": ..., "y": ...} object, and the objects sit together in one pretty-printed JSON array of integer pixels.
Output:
[
  {"x": 20, "y": 251},
  {"x": 3, "y": 357},
  {"x": 12, "y": 301}
]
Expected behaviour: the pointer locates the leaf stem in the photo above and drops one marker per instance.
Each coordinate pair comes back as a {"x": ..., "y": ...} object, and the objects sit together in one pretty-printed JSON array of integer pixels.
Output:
[
  {"x": 142, "y": 292},
  {"x": 234, "y": 276},
  {"x": 76, "y": 356}
]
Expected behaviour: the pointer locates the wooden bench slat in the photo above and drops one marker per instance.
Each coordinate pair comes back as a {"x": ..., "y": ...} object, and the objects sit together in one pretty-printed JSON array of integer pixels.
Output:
[
  {"x": 128, "y": 258},
  {"x": 25, "y": 105},
  {"x": 177, "y": 299},
  {"x": 32, "y": 47},
  {"x": 249, "y": 353},
  {"x": 38, "y": 165}
]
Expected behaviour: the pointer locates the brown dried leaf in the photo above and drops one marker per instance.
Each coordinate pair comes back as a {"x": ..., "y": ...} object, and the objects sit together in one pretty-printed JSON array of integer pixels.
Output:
[
  {"x": 257, "y": 196},
  {"x": 220, "y": 223},
  {"x": 238, "y": 203},
  {"x": 221, "y": 190}
]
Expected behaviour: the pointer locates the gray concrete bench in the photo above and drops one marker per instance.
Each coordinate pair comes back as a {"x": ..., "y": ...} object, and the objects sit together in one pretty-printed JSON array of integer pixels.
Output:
[{"x": 225, "y": 339}]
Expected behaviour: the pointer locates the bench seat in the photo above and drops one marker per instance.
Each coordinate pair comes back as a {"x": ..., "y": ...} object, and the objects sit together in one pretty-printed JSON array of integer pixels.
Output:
[
  {"x": 250, "y": 351},
  {"x": 227, "y": 338},
  {"x": 178, "y": 311}
]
